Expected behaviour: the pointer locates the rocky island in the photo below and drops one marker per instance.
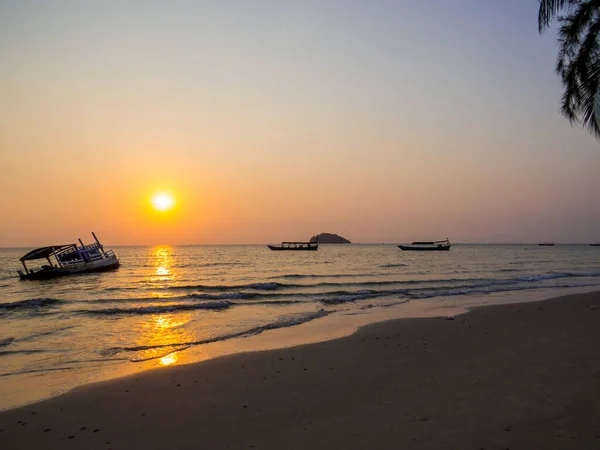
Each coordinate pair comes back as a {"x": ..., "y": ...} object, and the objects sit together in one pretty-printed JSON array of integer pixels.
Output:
[{"x": 329, "y": 238}]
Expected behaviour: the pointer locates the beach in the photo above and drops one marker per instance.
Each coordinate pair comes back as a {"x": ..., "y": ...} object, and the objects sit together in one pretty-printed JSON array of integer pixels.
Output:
[
  {"x": 186, "y": 304},
  {"x": 520, "y": 376}
]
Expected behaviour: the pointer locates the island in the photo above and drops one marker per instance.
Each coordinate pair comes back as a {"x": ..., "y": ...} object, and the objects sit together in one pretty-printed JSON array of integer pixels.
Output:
[{"x": 329, "y": 238}]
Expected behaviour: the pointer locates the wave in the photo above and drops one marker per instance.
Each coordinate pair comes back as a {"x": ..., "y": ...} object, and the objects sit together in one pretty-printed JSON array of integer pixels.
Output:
[
  {"x": 180, "y": 298},
  {"x": 46, "y": 369},
  {"x": 223, "y": 287},
  {"x": 220, "y": 297},
  {"x": 489, "y": 290},
  {"x": 486, "y": 286},
  {"x": 344, "y": 297},
  {"x": 282, "y": 322},
  {"x": 158, "y": 309},
  {"x": 194, "y": 266},
  {"x": 282, "y": 286},
  {"x": 7, "y": 341},
  {"x": 32, "y": 337},
  {"x": 554, "y": 275},
  {"x": 228, "y": 296},
  {"x": 176, "y": 298},
  {"x": 274, "y": 302},
  {"x": 276, "y": 286},
  {"x": 33, "y": 303},
  {"x": 21, "y": 352},
  {"x": 334, "y": 275}
]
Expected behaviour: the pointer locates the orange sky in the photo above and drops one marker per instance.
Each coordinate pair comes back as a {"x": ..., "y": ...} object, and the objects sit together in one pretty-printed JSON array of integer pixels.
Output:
[{"x": 306, "y": 118}]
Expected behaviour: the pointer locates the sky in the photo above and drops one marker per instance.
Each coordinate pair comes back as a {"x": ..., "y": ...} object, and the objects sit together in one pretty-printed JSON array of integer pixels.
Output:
[{"x": 271, "y": 120}]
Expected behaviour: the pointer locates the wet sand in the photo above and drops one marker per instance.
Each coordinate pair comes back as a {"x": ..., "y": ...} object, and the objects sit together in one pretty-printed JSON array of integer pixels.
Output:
[{"x": 522, "y": 376}]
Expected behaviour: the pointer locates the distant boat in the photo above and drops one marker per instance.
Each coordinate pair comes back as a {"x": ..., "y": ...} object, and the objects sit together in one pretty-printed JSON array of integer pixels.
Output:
[
  {"x": 546, "y": 244},
  {"x": 427, "y": 246},
  {"x": 595, "y": 244},
  {"x": 69, "y": 259},
  {"x": 295, "y": 246}
]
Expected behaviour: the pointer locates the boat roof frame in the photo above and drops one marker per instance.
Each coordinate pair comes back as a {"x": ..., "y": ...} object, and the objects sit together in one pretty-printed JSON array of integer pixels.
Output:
[{"x": 45, "y": 252}]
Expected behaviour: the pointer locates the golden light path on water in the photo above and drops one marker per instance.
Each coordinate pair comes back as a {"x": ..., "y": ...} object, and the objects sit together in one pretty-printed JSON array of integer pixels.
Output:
[{"x": 162, "y": 334}]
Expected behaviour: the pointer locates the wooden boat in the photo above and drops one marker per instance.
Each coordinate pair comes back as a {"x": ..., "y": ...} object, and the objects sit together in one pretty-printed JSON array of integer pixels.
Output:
[
  {"x": 69, "y": 259},
  {"x": 427, "y": 246},
  {"x": 295, "y": 246},
  {"x": 546, "y": 244}
]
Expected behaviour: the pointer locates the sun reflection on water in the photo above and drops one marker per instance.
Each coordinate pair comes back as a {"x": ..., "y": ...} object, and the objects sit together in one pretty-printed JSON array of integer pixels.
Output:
[
  {"x": 162, "y": 261},
  {"x": 163, "y": 337},
  {"x": 169, "y": 359}
]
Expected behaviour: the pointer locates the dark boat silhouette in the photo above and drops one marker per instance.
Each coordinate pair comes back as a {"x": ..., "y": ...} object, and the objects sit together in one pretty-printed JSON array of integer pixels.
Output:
[
  {"x": 427, "y": 246},
  {"x": 69, "y": 259},
  {"x": 295, "y": 246}
]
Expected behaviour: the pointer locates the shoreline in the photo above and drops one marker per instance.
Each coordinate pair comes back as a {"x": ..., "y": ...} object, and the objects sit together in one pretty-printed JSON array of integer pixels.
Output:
[
  {"x": 529, "y": 369},
  {"x": 325, "y": 329}
]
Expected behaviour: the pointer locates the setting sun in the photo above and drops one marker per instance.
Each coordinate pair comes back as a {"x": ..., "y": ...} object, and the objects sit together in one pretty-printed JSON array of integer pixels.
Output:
[{"x": 162, "y": 201}]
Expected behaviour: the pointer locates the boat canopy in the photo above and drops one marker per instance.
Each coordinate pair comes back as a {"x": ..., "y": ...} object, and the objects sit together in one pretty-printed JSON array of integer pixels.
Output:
[
  {"x": 45, "y": 252},
  {"x": 295, "y": 243}
]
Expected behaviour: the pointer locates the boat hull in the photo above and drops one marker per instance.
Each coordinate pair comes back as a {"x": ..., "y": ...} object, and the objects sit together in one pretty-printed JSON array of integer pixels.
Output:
[
  {"x": 110, "y": 263},
  {"x": 279, "y": 248},
  {"x": 439, "y": 248}
]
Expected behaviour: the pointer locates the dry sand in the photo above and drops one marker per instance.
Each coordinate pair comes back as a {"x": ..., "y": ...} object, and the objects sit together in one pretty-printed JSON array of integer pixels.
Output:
[{"x": 524, "y": 376}]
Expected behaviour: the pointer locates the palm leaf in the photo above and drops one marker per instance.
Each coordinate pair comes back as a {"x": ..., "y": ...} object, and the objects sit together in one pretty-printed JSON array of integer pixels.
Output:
[
  {"x": 578, "y": 59},
  {"x": 550, "y": 8}
]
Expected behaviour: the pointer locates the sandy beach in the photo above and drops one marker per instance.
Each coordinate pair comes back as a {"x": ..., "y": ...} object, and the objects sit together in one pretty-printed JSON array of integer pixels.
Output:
[{"x": 522, "y": 376}]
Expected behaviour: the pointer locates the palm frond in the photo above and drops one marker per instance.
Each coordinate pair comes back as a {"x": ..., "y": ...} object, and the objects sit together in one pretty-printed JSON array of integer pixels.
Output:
[
  {"x": 549, "y": 9},
  {"x": 578, "y": 59}
]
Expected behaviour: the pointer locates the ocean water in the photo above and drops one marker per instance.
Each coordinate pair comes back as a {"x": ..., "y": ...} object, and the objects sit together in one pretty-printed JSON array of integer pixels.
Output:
[{"x": 172, "y": 305}]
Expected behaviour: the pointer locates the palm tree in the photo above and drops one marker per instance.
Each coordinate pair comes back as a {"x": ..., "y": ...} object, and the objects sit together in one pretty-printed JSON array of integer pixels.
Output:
[{"x": 578, "y": 61}]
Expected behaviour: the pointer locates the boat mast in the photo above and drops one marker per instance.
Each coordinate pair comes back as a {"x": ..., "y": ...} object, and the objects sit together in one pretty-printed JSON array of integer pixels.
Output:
[{"x": 98, "y": 242}]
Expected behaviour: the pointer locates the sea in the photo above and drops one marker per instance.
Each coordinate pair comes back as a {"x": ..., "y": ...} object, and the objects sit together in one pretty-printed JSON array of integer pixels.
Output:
[{"x": 170, "y": 305}]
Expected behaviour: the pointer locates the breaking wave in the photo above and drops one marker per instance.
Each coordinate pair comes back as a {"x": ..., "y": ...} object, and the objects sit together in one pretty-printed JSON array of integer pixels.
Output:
[
  {"x": 282, "y": 322},
  {"x": 158, "y": 309},
  {"x": 33, "y": 303},
  {"x": 7, "y": 341}
]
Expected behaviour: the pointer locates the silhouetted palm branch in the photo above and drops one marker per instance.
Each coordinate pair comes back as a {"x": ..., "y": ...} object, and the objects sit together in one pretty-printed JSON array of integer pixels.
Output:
[
  {"x": 578, "y": 61},
  {"x": 549, "y": 9}
]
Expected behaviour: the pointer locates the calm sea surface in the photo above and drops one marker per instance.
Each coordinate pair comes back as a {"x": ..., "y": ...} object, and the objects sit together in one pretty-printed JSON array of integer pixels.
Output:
[{"x": 173, "y": 305}]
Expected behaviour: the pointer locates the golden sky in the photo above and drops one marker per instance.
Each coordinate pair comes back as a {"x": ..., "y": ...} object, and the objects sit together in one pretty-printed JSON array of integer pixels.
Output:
[{"x": 271, "y": 121}]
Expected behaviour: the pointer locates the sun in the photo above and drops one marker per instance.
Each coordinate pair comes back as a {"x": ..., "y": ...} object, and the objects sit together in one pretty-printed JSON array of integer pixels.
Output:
[{"x": 162, "y": 201}]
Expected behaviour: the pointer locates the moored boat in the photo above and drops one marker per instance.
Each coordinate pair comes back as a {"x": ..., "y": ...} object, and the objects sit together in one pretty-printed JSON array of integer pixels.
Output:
[
  {"x": 295, "y": 246},
  {"x": 69, "y": 259},
  {"x": 424, "y": 246}
]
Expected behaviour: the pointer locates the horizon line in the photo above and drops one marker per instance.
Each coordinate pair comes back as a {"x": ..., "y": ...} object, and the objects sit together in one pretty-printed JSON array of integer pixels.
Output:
[{"x": 341, "y": 244}]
